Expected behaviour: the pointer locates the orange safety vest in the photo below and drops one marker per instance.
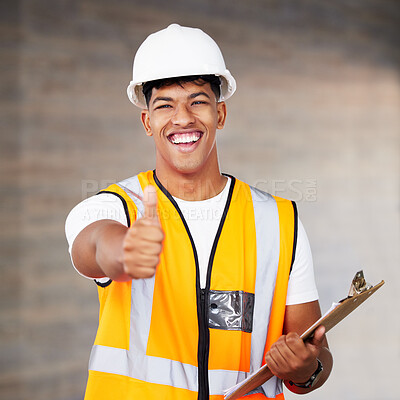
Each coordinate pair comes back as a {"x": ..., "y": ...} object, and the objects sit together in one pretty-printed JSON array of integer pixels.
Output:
[{"x": 165, "y": 337}]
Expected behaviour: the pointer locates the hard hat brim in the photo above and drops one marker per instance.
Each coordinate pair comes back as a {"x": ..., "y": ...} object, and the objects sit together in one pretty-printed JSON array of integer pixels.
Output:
[{"x": 136, "y": 96}]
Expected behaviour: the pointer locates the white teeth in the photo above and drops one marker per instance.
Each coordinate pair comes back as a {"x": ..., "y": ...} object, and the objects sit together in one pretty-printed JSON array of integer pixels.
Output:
[{"x": 185, "y": 138}]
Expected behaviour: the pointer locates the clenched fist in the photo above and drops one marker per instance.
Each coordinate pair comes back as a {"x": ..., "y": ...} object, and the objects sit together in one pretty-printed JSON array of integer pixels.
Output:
[
  {"x": 142, "y": 244},
  {"x": 292, "y": 359}
]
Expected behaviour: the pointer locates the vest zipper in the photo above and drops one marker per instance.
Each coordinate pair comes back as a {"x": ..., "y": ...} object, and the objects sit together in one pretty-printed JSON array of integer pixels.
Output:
[{"x": 203, "y": 346}]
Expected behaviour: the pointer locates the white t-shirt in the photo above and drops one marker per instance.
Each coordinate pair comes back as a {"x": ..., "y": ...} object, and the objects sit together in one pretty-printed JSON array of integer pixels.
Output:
[{"x": 203, "y": 218}]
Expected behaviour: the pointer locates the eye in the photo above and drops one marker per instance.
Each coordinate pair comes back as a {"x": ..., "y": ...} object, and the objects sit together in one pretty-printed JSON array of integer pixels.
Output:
[
  {"x": 163, "y": 106},
  {"x": 197, "y": 102}
]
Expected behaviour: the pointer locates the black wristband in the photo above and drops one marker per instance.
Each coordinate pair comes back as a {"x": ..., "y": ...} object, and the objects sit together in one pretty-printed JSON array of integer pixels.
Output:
[{"x": 313, "y": 379}]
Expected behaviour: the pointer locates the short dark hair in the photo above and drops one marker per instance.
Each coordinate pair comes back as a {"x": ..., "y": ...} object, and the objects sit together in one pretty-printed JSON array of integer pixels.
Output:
[{"x": 213, "y": 80}]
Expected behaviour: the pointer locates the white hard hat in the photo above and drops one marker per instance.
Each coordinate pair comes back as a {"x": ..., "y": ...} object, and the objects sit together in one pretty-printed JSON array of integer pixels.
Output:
[{"x": 178, "y": 51}]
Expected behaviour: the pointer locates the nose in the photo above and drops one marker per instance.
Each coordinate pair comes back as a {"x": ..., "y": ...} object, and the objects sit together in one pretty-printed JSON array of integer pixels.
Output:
[{"x": 183, "y": 116}]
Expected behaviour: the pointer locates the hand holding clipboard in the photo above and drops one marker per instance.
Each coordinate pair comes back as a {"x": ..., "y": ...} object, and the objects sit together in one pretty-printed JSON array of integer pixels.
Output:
[{"x": 360, "y": 291}]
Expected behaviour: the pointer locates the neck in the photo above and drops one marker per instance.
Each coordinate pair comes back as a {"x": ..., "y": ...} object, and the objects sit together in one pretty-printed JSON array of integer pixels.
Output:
[{"x": 192, "y": 186}]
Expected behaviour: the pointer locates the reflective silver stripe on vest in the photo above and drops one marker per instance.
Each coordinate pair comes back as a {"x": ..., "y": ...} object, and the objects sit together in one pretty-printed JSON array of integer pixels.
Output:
[
  {"x": 158, "y": 370},
  {"x": 231, "y": 310},
  {"x": 136, "y": 364},
  {"x": 145, "y": 368},
  {"x": 133, "y": 184},
  {"x": 256, "y": 390},
  {"x": 220, "y": 380},
  {"x": 268, "y": 244}
]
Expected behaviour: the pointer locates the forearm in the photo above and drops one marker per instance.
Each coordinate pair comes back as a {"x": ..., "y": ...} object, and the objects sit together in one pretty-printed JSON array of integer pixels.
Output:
[
  {"x": 98, "y": 250},
  {"x": 326, "y": 359},
  {"x": 109, "y": 251}
]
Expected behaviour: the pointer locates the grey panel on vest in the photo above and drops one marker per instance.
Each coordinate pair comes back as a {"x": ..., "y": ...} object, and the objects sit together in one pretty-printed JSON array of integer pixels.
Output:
[{"x": 231, "y": 310}]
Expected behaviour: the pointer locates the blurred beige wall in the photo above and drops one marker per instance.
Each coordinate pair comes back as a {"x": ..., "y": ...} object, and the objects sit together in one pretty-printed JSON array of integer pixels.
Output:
[{"x": 315, "y": 118}]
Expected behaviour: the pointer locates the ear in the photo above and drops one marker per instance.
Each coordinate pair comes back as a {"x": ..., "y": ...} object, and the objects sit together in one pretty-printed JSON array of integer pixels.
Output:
[
  {"x": 144, "y": 116},
  {"x": 221, "y": 110}
]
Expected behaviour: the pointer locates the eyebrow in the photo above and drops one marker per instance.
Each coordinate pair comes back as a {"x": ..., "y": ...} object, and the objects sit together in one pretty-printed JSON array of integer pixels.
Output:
[
  {"x": 192, "y": 96},
  {"x": 161, "y": 98}
]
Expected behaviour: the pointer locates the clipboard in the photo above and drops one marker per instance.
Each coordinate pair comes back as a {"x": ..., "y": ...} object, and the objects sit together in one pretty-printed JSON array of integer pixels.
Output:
[{"x": 360, "y": 290}]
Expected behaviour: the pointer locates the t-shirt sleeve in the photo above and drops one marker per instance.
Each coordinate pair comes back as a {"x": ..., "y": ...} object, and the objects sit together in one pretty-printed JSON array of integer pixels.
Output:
[
  {"x": 95, "y": 208},
  {"x": 302, "y": 288}
]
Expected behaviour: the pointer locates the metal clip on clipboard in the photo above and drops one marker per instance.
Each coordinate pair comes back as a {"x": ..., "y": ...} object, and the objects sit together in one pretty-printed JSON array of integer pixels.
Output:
[
  {"x": 359, "y": 284},
  {"x": 360, "y": 290}
]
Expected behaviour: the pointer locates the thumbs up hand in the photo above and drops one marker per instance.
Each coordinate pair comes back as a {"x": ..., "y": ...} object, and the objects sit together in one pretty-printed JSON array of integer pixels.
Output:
[{"x": 142, "y": 244}]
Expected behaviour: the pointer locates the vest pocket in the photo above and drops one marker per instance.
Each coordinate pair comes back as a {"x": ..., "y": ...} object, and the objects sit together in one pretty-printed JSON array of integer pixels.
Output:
[{"x": 231, "y": 310}]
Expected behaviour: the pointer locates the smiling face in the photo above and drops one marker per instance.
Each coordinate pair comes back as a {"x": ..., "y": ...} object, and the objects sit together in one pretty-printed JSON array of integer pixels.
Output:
[{"x": 183, "y": 120}]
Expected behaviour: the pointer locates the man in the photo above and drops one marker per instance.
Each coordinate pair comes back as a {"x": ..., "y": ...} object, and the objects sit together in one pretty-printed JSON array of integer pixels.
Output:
[{"x": 201, "y": 278}]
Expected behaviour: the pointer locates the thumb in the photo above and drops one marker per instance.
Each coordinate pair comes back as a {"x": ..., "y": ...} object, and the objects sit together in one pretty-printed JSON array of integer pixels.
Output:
[
  {"x": 318, "y": 337},
  {"x": 150, "y": 204}
]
